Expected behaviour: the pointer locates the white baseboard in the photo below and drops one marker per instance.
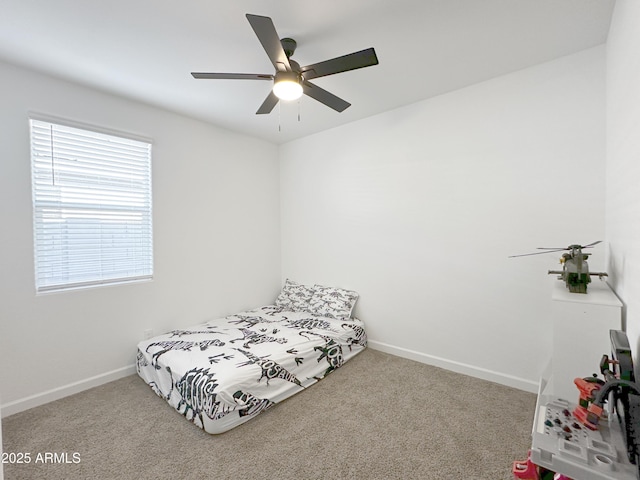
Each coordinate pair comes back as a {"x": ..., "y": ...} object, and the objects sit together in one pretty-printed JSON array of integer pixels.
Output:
[
  {"x": 64, "y": 391},
  {"x": 76, "y": 387},
  {"x": 483, "y": 373}
]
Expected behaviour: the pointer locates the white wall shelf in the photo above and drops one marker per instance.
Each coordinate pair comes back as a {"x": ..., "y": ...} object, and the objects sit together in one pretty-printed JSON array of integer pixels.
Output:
[{"x": 581, "y": 324}]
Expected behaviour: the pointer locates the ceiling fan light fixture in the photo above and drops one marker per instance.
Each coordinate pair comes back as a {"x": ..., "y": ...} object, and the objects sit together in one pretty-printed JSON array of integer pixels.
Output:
[
  {"x": 286, "y": 86},
  {"x": 291, "y": 81}
]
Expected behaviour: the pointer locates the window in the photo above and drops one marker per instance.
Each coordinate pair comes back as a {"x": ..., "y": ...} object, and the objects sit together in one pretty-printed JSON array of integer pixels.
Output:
[{"x": 91, "y": 207}]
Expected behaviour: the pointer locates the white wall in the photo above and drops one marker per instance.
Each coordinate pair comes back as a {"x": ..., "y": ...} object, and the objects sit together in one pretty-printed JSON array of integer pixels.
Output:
[
  {"x": 1, "y": 449},
  {"x": 216, "y": 241},
  {"x": 623, "y": 162},
  {"x": 418, "y": 208}
]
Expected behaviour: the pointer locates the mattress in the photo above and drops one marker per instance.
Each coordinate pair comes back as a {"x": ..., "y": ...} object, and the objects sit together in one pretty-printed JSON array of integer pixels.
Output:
[{"x": 224, "y": 372}]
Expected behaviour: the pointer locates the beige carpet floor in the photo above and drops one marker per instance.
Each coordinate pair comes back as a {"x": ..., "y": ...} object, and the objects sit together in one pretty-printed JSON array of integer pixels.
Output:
[{"x": 378, "y": 417}]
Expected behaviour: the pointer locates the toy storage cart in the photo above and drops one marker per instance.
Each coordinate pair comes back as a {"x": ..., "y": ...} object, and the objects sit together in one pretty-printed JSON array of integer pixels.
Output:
[{"x": 560, "y": 444}]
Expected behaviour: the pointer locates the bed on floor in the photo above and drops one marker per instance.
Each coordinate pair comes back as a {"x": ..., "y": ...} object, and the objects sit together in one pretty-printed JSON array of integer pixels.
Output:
[{"x": 226, "y": 371}]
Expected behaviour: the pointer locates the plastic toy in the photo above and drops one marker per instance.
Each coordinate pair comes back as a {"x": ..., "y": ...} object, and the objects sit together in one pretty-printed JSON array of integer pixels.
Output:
[
  {"x": 584, "y": 443},
  {"x": 598, "y": 396},
  {"x": 575, "y": 269},
  {"x": 588, "y": 388},
  {"x": 526, "y": 469}
]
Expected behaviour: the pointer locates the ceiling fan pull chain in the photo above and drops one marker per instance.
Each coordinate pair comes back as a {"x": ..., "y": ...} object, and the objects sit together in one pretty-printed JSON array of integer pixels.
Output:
[
  {"x": 279, "y": 117},
  {"x": 298, "y": 109}
]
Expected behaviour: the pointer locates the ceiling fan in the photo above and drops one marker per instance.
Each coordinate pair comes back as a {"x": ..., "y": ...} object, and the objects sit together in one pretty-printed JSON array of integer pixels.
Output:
[{"x": 291, "y": 80}]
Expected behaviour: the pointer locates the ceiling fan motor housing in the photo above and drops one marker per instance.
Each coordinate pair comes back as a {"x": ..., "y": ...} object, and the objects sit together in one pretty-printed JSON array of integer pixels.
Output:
[
  {"x": 289, "y": 46},
  {"x": 287, "y": 77}
]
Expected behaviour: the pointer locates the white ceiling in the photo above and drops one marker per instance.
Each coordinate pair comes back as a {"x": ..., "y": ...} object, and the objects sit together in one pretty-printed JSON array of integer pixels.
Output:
[{"x": 146, "y": 49}]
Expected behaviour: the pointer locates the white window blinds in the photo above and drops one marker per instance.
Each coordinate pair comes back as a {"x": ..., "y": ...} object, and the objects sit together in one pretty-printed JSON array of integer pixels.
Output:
[{"x": 92, "y": 207}]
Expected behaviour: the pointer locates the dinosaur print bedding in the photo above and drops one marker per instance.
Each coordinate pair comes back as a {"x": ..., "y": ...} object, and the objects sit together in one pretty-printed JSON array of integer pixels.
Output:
[{"x": 226, "y": 371}]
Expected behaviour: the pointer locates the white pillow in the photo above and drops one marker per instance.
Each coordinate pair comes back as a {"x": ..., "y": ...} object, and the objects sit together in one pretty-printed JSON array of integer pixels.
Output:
[
  {"x": 332, "y": 302},
  {"x": 295, "y": 297}
]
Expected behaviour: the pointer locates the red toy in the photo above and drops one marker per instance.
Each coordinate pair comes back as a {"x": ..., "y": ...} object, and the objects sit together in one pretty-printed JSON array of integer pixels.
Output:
[
  {"x": 586, "y": 409},
  {"x": 525, "y": 470}
]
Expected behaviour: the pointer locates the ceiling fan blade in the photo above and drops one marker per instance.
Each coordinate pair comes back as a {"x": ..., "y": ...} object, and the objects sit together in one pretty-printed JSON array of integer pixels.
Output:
[
  {"x": 266, "y": 33},
  {"x": 232, "y": 76},
  {"x": 352, "y": 61},
  {"x": 268, "y": 104},
  {"x": 321, "y": 95}
]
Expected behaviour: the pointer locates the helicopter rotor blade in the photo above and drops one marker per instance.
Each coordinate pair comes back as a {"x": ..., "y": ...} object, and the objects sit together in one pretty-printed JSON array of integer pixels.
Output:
[
  {"x": 592, "y": 244},
  {"x": 537, "y": 253},
  {"x": 556, "y": 249},
  {"x": 571, "y": 246}
]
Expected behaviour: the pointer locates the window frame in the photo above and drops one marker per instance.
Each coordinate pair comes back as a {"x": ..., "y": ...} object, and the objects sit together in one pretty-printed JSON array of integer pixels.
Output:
[{"x": 88, "y": 203}]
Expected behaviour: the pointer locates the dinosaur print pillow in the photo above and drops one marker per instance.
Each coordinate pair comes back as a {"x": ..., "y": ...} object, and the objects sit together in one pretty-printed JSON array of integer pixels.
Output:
[{"x": 332, "y": 302}]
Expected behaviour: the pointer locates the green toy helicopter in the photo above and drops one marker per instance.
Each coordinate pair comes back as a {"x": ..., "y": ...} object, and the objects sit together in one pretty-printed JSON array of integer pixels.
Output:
[{"x": 575, "y": 269}]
